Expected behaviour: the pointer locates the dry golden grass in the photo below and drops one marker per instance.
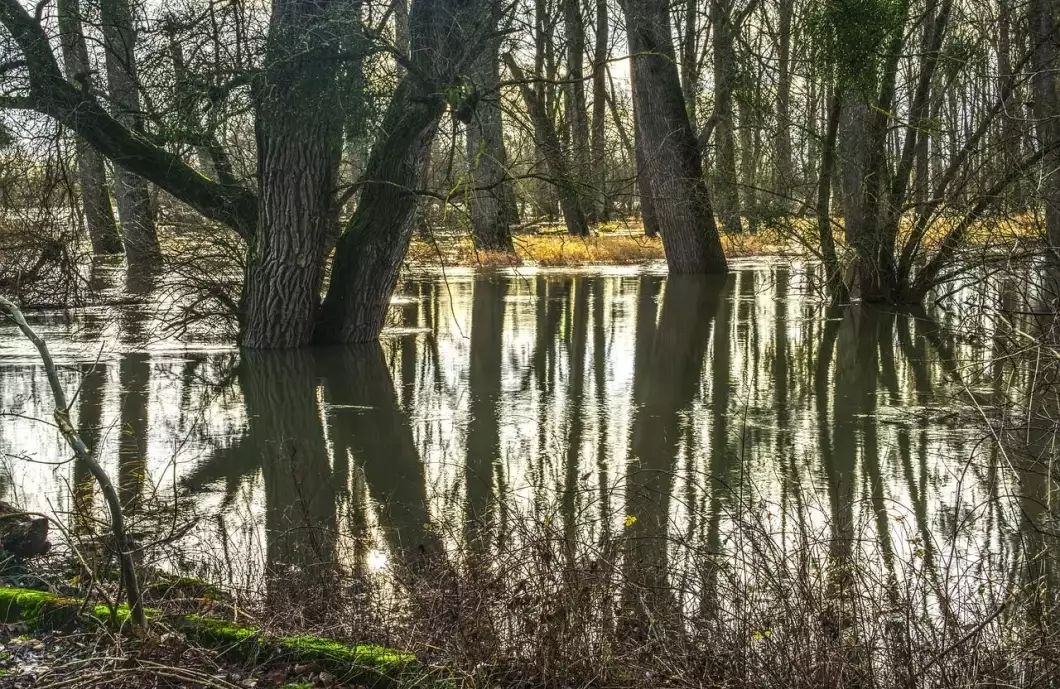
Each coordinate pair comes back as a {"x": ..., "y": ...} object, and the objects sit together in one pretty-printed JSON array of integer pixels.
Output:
[{"x": 551, "y": 246}]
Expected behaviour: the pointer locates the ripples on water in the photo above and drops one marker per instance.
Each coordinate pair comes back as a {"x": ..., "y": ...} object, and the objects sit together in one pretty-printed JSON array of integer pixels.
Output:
[{"x": 690, "y": 438}]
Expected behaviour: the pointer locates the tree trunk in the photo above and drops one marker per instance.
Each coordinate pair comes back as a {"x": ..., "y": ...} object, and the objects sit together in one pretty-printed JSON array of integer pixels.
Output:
[
  {"x": 134, "y": 202},
  {"x": 369, "y": 253},
  {"x": 647, "y": 203},
  {"x": 1042, "y": 18},
  {"x": 675, "y": 171},
  {"x": 690, "y": 61},
  {"x": 726, "y": 182},
  {"x": 299, "y": 131},
  {"x": 577, "y": 109},
  {"x": 487, "y": 160},
  {"x": 549, "y": 144},
  {"x": 601, "y": 208},
  {"x": 749, "y": 128},
  {"x": 824, "y": 202},
  {"x": 95, "y": 196},
  {"x": 784, "y": 181}
]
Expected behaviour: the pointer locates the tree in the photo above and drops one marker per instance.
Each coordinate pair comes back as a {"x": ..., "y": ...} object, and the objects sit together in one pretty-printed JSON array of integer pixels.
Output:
[
  {"x": 577, "y": 108},
  {"x": 726, "y": 183},
  {"x": 675, "y": 172},
  {"x": 547, "y": 138},
  {"x": 598, "y": 157},
  {"x": 134, "y": 201},
  {"x": 288, "y": 220},
  {"x": 488, "y": 204},
  {"x": 92, "y": 174}
]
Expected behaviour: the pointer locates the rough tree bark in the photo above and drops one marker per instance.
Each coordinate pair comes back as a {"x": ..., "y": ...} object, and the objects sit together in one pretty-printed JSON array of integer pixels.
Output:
[
  {"x": 92, "y": 173},
  {"x": 675, "y": 170},
  {"x": 134, "y": 201},
  {"x": 299, "y": 132}
]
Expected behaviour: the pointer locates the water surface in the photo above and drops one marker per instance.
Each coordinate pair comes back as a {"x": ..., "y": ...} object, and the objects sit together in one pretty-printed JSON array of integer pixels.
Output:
[{"x": 622, "y": 417}]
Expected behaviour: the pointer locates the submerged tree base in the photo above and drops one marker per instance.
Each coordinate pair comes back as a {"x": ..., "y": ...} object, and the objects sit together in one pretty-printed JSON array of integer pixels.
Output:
[{"x": 362, "y": 664}]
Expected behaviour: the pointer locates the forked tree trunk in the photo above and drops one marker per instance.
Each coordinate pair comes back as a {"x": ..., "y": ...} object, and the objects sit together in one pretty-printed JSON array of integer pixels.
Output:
[
  {"x": 92, "y": 173},
  {"x": 675, "y": 170},
  {"x": 134, "y": 201},
  {"x": 369, "y": 252},
  {"x": 299, "y": 131}
]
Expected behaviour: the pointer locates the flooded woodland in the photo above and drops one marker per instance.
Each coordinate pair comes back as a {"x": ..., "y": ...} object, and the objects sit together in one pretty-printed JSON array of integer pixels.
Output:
[
  {"x": 529, "y": 344},
  {"x": 595, "y": 457}
]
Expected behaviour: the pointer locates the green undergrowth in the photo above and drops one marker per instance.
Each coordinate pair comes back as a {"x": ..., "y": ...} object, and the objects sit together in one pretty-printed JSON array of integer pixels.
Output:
[{"x": 364, "y": 664}]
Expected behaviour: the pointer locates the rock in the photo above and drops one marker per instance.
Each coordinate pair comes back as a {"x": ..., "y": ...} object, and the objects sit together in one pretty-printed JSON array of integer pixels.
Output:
[{"x": 22, "y": 535}]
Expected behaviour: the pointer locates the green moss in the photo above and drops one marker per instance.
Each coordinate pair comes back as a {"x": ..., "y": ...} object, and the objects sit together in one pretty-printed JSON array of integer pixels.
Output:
[
  {"x": 184, "y": 587},
  {"x": 373, "y": 666},
  {"x": 37, "y": 609},
  {"x": 315, "y": 647}
]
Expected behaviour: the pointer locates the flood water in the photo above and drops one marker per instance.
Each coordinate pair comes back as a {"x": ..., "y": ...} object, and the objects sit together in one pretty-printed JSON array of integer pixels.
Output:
[{"x": 615, "y": 415}]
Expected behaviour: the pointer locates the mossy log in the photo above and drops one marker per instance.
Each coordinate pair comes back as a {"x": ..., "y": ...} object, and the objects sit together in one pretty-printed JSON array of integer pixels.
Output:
[{"x": 363, "y": 664}]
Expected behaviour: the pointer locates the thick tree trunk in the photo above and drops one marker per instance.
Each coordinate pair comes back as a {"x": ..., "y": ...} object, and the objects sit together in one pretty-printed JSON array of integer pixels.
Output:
[
  {"x": 549, "y": 144},
  {"x": 134, "y": 201},
  {"x": 490, "y": 209},
  {"x": 92, "y": 174},
  {"x": 299, "y": 131},
  {"x": 675, "y": 170},
  {"x": 726, "y": 182}
]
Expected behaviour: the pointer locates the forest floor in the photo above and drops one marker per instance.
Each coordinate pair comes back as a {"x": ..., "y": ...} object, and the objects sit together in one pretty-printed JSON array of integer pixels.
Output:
[{"x": 102, "y": 660}]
